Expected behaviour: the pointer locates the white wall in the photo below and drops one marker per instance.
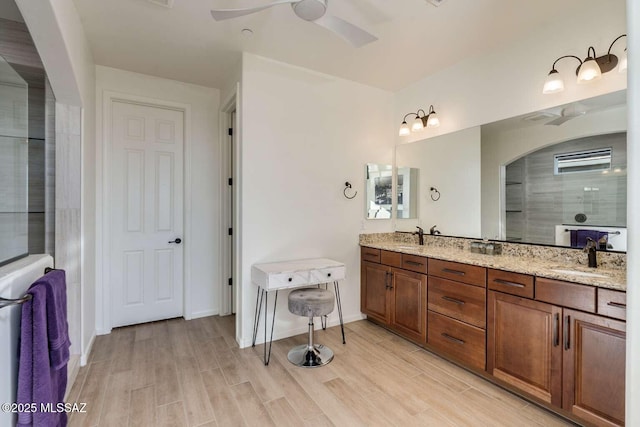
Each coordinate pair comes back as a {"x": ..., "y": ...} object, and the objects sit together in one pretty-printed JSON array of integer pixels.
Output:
[
  {"x": 450, "y": 164},
  {"x": 633, "y": 219},
  {"x": 501, "y": 148},
  {"x": 508, "y": 82},
  {"x": 303, "y": 135},
  {"x": 58, "y": 34},
  {"x": 202, "y": 164}
]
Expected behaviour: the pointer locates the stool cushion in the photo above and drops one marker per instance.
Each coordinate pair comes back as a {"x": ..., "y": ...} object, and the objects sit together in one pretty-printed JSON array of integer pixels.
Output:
[{"x": 311, "y": 302}]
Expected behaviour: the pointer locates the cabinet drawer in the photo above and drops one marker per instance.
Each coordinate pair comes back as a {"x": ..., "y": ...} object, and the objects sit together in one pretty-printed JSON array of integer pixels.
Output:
[
  {"x": 612, "y": 303},
  {"x": 510, "y": 283},
  {"x": 284, "y": 280},
  {"x": 414, "y": 263},
  {"x": 370, "y": 254},
  {"x": 462, "y": 302},
  {"x": 471, "y": 274},
  {"x": 565, "y": 294},
  {"x": 326, "y": 275},
  {"x": 393, "y": 259},
  {"x": 462, "y": 342}
]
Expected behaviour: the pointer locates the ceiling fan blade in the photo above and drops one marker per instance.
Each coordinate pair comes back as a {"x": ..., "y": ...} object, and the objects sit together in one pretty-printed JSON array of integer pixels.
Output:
[
  {"x": 354, "y": 35},
  {"x": 222, "y": 14}
]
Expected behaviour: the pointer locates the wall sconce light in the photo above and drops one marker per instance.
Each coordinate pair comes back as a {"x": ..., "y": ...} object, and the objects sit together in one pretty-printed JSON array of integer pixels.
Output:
[
  {"x": 426, "y": 120},
  {"x": 589, "y": 70}
]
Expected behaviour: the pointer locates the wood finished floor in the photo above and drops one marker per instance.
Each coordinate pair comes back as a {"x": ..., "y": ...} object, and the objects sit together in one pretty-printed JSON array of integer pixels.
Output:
[{"x": 192, "y": 373}]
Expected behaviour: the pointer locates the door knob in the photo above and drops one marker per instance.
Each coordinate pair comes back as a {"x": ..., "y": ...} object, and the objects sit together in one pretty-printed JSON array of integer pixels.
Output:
[{"x": 177, "y": 241}]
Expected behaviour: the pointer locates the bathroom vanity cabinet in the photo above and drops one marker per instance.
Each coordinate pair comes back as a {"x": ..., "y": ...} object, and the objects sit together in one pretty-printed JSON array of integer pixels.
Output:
[
  {"x": 558, "y": 342},
  {"x": 393, "y": 296}
]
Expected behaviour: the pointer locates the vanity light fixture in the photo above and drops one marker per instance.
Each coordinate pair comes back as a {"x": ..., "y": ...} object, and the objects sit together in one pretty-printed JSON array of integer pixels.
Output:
[
  {"x": 590, "y": 69},
  {"x": 421, "y": 121}
]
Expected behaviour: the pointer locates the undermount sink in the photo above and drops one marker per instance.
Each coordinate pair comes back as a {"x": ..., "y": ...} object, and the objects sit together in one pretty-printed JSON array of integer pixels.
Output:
[{"x": 577, "y": 273}]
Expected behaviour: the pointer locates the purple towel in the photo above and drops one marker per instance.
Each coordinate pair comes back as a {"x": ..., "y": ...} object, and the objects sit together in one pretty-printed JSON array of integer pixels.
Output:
[
  {"x": 44, "y": 351},
  {"x": 579, "y": 237}
]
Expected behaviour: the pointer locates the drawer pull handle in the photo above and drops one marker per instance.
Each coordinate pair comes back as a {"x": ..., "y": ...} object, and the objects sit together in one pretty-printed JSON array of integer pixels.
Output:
[
  {"x": 567, "y": 331},
  {"x": 617, "y": 304},
  {"x": 458, "y": 272},
  {"x": 556, "y": 330},
  {"x": 508, "y": 283},
  {"x": 454, "y": 300},
  {"x": 453, "y": 339},
  {"x": 369, "y": 254},
  {"x": 417, "y": 264}
]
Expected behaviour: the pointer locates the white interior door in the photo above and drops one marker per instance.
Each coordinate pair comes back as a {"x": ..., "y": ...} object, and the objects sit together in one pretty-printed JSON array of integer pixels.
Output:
[{"x": 146, "y": 213}]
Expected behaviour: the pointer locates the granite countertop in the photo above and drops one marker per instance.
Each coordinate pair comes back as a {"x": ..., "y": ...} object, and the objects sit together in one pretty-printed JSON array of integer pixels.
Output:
[{"x": 612, "y": 278}]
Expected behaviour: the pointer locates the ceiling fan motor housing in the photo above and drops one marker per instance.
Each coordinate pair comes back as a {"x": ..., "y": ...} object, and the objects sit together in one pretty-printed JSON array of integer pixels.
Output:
[{"x": 310, "y": 10}]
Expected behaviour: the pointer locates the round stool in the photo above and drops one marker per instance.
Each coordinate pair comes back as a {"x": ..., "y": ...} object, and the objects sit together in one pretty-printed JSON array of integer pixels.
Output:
[{"x": 311, "y": 302}]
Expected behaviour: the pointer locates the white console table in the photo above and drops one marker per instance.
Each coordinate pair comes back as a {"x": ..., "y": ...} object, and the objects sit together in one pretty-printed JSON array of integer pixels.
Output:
[{"x": 275, "y": 276}]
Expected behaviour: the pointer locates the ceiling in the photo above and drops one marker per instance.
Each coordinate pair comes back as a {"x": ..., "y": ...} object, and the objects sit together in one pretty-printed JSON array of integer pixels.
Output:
[{"x": 416, "y": 39}]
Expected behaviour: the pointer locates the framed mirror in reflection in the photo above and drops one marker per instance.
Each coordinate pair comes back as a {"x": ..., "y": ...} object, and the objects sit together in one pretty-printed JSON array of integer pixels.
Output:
[{"x": 552, "y": 177}]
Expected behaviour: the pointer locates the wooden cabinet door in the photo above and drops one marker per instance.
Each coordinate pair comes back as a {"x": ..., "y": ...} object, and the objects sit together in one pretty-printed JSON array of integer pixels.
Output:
[
  {"x": 523, "y": 347},
  {"x": 374, "y": 291},
  {"x": 594, "y": 368},
  {"x": 409, "y": 304}
]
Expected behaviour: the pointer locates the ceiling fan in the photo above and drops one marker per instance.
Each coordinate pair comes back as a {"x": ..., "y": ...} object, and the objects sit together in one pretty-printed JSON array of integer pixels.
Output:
[
  {"x": 569, "y": 112},
  {"x": 310, "y": 10}
]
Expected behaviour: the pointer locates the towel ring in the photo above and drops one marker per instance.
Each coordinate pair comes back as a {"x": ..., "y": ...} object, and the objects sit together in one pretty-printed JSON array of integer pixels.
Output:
[
  {"x": 348, "y": 186},
  {"x": 7, "y": 302},
  {"x": 435, "y": 194}
]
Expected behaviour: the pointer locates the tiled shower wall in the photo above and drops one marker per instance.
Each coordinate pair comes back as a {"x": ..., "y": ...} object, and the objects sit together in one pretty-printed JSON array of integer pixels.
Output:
[{"x": 537, "y": 200}]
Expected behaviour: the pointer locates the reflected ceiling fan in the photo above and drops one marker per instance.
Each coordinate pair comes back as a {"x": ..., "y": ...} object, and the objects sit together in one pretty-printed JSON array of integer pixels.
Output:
[
  {"x": 569, "y": 112},
  {"x": 310, "y": 10}
]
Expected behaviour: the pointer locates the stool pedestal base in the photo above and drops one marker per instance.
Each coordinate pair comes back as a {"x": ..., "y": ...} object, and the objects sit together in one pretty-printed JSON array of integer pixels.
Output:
[{"x": 304, "y": 356}]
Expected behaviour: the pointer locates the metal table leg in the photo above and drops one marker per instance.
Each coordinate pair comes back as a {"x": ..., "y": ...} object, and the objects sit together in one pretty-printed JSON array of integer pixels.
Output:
[
  {"x": 256, "y": 315},
  {"x": 267, "y": 357},
  {"x": 339, "y": 303}
]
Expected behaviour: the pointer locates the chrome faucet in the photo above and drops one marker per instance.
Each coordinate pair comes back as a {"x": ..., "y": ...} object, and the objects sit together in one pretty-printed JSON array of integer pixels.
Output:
[
  {"x": 420, "y": 234},
  {"x": 590, "y": 249},
  {"x": 433, "y": 230}
]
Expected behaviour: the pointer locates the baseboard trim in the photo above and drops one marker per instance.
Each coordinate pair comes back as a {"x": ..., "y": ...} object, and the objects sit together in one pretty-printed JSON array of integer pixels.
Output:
[
  {"x": 203, "y": 313},
  {"x": 84, "y": 359}
]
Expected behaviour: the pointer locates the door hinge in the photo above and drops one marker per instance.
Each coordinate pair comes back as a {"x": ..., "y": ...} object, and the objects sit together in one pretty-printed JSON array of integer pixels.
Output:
[
  {"x": 230, "y": 132},
  {"x": 230, "y": 231},
  {"x": 230, "y": 181},
  {"x": 230, "y": 281}
]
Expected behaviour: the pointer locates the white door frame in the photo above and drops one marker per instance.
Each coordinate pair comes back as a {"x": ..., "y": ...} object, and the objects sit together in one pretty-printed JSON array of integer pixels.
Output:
[
  {"x": 103, "y": 295},
  {"x": 227, "y": 106}
]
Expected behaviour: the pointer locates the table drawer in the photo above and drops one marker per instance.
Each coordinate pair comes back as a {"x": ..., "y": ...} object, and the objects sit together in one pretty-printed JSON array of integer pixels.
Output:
[
  {"x": 286, "y": 280},
  {"x": 460, "y": 301},
  {"x": 566, "y": 294},
  {"x": 369, "y": 254},
  {"x": 510, "y": 283},
  {"x": 326, "y": 275},
  {"x": 414, "y": 263},
  {"x": 458, "y": 340},
  {"x": 471, "y": 274},
  {"x": 393, "y": 259},
  {"x": 612, "y": 303}
]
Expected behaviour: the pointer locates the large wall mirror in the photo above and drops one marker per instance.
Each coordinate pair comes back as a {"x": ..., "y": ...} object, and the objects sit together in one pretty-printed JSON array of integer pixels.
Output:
[{"x": 550, "y": 177}]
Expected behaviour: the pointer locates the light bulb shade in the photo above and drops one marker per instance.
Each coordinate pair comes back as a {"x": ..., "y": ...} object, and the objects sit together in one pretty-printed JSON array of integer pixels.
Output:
[
  {"x": 622, "y": 64},
  {"x": 433, "y": 121},
  {"x": 589, "y": 71},
  {"x": 554, "y": 83},
  {"x": 417, "y": 125},
  {"x": 404, "y": 129}
]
